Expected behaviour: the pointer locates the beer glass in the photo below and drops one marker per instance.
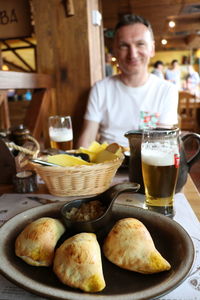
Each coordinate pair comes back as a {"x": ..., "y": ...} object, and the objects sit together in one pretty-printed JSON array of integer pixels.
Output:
[
  {"x": 60, "y": 132},
  {"x": 160, "y": 163}
]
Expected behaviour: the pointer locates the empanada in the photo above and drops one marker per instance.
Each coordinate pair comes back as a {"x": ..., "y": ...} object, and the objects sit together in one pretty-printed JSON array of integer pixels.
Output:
[
  {"x": 129, "y": 245},
  {"x": 36, "y": 243},
  {"x": 78, "y": 263}
]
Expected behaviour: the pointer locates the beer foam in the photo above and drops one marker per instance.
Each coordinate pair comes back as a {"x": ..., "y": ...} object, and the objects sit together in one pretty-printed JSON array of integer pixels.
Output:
[
  {"x": 60, "y": 134},
  {"x": 157, "y": 157}
]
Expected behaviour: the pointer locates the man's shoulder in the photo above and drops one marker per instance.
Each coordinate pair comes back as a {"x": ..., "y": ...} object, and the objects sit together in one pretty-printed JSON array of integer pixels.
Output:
[
  {"x": 153, "y": 78},
  {"x": 109, "y": 80},
  {"x": 160, "y": 82},
  {"x": 105, "y": 86}
]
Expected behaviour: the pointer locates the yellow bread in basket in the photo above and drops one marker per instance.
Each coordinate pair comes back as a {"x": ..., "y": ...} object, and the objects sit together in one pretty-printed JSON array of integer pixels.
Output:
[
  {"x": 93, "y": 150},
  {"x": 111, "y": 152},
  {"x": 92, "y": 155},
  {"x": 97, "y": 154},
  {"x": 67, "y": 160},
  {"x": 80, "y": 178},
  {"x": 96, "y": 147}
]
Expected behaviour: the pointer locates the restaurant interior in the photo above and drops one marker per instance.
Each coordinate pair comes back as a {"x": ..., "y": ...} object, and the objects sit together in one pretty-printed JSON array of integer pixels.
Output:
[{"x": 52, "y": 53}]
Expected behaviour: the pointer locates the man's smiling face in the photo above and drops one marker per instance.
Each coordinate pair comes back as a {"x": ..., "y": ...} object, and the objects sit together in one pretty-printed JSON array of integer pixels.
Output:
[{"x": 133, "y": 48}]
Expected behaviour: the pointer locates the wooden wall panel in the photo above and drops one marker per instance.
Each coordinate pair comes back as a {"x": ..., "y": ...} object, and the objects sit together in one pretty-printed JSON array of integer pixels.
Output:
[
  {"x": 69, "y": 48},
  {"x": 97, "y": 62}
]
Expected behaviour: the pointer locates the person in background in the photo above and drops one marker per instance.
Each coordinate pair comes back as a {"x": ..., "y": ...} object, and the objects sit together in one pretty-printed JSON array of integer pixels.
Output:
[
  {"x": 108, "y": 65},
  {"x": 158, "y": 69},
  {"x": 173, "y": 74},
  {"x": 192, "y": 82},
  {"x": 134, "y": 98}
]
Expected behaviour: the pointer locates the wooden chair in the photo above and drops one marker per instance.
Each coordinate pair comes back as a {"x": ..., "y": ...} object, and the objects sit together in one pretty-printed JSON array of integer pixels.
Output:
[
  {"x": 5, "y": 116},
  {"x": 38, "y": 110},
  {"x": 187, "y": 110}
]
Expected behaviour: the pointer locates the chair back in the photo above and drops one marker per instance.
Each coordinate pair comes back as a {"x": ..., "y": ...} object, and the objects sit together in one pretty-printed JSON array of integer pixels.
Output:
[
  {"x": 39, "y": 107},
  {"x": 187, "y": 110}
]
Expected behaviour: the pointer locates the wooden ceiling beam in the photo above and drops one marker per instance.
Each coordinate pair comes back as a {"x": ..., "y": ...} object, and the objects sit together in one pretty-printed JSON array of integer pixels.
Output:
[
  {"x": 180, "y": 43},
  {"x": 158, "y": 12},
  {"x": 192, "y": 39},
  {"x": 146, "y": 3},
  {"x": 187, "y": 27},
  {"x": 181, "y": 27},
  {"x": 184, "y": 17}
]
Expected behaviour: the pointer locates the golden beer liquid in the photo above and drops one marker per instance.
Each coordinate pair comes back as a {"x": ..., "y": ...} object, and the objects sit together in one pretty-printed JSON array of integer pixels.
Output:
[
  {"x": 159, "y": 182},
  {"x": 61, "y": 138},
  {"x": 68, "y": 145}
]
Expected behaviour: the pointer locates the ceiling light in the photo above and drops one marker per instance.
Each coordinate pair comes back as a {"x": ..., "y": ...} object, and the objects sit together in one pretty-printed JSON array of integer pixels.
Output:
[
  {"x": 164, "y": 42},
  {"x": 172, "y": 24},
  {"x": 5, "y": 67}
]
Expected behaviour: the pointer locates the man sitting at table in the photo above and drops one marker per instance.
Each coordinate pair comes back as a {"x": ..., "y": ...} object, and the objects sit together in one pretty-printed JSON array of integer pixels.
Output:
[{"x": 134, "y": 98}]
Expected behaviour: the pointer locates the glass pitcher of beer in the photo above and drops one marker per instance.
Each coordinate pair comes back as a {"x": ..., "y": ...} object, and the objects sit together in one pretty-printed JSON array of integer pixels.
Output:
[
  {"x": 160, "y": 163},
  {"x": 60, "y": 132}
]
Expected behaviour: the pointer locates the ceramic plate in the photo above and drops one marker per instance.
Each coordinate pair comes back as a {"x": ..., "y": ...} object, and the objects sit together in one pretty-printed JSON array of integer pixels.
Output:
[{"x": 170, "y": 239}]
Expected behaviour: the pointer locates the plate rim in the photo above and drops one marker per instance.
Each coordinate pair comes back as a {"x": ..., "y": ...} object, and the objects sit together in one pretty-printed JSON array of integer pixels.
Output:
[{"x": 57, "y": 293}]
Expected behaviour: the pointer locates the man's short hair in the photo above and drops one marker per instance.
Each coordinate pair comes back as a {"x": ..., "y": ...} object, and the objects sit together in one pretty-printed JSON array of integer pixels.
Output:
[
  {"x": 130, "y": 19},
  {"x": 174, "y": 61},
  {"x": 157, "y": 63}
]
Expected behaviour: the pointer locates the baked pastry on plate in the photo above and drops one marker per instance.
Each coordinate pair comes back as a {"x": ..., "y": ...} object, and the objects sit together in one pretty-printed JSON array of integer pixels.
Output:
[
  {"x": 78, "y": 263},
  {"x": 36, "y": 243},
  {"x": 129, "y": 245}
]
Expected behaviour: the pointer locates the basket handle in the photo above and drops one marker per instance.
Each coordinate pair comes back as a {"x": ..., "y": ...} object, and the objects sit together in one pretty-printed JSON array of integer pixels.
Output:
[{"x": 34, "y": 153}]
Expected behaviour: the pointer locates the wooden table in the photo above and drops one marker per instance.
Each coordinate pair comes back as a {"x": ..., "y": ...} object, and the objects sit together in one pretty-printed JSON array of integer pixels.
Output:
[
  {"x": 193, "y": 196},
  {"x": 189, "y": 190}
]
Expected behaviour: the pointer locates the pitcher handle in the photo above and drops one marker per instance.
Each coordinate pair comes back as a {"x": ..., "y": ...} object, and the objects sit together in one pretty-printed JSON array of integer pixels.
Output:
[{"x": 196, "y": 156}]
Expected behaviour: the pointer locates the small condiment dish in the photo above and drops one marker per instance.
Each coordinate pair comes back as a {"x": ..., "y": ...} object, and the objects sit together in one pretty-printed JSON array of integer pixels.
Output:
[{"x": 107, "y": 199}]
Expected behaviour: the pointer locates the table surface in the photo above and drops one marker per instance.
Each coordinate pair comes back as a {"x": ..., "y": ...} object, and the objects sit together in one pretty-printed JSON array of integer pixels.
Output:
[
  {"x": 188, "y": 289},
  {"x": 193, "y": 196},
  {"x": 190, "y": 191}
]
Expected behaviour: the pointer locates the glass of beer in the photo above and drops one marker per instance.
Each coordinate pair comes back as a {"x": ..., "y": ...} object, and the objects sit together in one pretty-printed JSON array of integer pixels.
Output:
[
  {"x": 160, "y": 164},
  {"x": 60, "y": 132}
]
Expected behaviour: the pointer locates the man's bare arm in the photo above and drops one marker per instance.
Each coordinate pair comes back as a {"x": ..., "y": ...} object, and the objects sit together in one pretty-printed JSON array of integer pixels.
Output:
[{"x": 89, "y": 133}]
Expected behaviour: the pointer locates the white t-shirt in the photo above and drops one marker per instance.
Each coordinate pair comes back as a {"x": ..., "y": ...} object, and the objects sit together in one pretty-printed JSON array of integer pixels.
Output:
[{"x": 117, "y": 107}]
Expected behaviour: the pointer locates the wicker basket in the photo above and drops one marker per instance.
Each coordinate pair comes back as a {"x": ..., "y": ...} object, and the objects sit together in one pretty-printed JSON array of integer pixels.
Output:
[{"x": 78, "y": 180}]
